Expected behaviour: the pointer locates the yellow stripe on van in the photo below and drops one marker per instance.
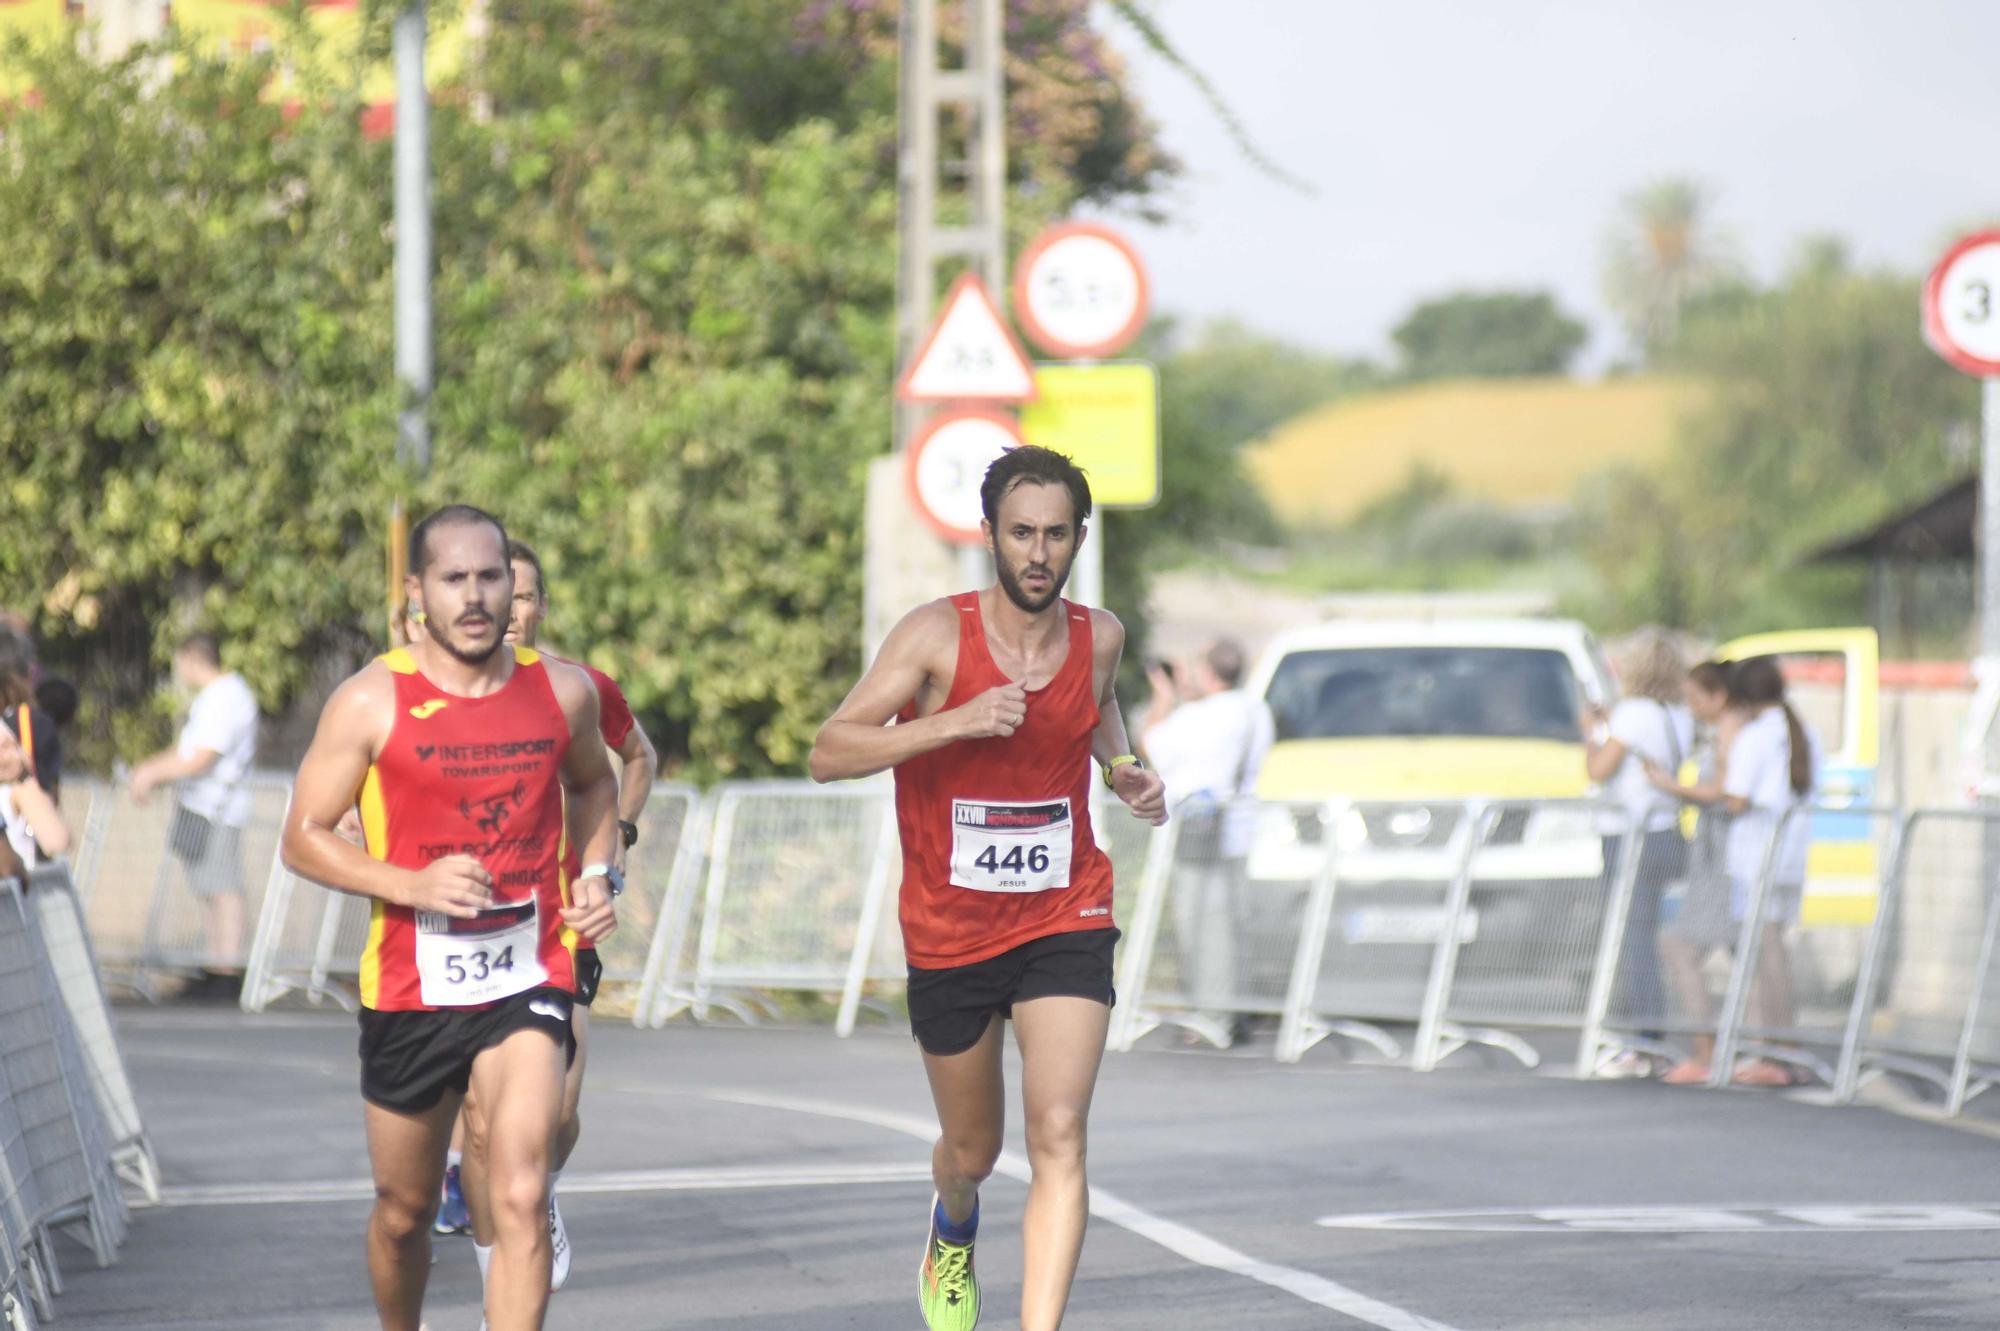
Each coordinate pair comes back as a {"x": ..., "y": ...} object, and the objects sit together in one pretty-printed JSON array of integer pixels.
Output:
[{"x": 1837, "y": 910}]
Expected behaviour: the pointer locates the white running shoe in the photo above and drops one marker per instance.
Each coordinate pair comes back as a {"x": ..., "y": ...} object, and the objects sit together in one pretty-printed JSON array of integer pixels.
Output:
[{"x": 558, "y": 1246}]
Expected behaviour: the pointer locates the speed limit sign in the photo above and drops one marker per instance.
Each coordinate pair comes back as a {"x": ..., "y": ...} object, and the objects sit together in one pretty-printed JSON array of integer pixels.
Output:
[
  {"x": 948, "y": 459},
  {"x": 1080, "y": 291},
  {"x": 1962, "y": 305}
]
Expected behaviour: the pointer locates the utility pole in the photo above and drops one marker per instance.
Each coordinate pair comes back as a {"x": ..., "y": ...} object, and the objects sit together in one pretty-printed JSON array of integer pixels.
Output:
[
  {"x": 413, "y": 275},
  {"x": 924, "y": 243},
  {"x": 413, "y": 241}
]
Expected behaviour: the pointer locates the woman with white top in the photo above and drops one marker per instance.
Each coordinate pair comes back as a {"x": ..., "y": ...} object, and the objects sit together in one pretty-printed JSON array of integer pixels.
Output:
[
  {"x": 1766, "y": 789},
  {"x": 34, "y": 829},
  {"x": 1649, "y": 725},
  {"x": 1702, "y": 922}
]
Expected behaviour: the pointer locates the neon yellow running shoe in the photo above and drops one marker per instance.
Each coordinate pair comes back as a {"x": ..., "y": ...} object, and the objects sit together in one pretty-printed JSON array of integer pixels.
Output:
[{"x": 947, "y": 1288}]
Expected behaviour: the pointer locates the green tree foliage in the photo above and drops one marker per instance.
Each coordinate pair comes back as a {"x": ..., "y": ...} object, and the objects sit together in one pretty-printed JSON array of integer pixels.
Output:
[
  {"x": 191, "y": 425},
  {"x": 1663, "y": 251},
  {"x": 665, "y": 247},
  {"x": 1487, "y": 335},
  {"x": 1827, "y": 413}
]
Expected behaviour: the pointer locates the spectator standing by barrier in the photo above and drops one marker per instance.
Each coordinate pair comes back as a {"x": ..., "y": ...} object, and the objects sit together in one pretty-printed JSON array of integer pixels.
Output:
[
  {"x": 33, "y": 723},
  {"x": 212, "y": 805},
  {"x": 1650, "y": 725},
  {"x": 1702, "y": 922},
  {"x": 1206, "y": 737},
  {"x": 1769, "y": 771},
  {"x": 33, "y": 827}
]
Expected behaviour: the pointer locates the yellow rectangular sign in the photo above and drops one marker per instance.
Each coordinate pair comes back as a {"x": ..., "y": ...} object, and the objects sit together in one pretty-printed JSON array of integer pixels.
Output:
[{"x": 1106, "y": 417}]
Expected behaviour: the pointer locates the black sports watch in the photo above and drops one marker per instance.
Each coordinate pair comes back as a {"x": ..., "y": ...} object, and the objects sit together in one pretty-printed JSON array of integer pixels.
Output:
[{"x": 630, "y": 831}]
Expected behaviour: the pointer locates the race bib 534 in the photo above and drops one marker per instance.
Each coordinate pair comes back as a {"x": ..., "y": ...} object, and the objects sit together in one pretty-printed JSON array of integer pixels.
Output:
[{"x": 495, "y": 954}]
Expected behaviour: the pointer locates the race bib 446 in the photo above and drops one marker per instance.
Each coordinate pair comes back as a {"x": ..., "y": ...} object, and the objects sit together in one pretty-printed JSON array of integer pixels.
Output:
[{"x": 1010, "y": 847}]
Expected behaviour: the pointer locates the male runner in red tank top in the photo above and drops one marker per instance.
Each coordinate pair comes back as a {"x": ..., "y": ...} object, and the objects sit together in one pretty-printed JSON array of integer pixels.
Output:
[
  {"x": 1002, "y": 699},
  {"x": 472, "y": 763},
  {"x": 623, "y": 737}
]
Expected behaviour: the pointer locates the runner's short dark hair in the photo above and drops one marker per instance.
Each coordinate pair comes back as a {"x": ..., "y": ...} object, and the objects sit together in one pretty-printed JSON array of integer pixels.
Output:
[
  {"x": 1043, "y": 466},
  {"x": 451, "y": 515},
  {"x": 520, "y": 552}
]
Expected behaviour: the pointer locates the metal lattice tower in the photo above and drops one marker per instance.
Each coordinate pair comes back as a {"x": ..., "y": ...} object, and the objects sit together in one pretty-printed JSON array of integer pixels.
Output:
[{"x": 926, "y": 245}]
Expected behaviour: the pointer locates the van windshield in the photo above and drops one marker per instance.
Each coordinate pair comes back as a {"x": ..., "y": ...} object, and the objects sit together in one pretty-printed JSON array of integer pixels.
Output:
[{"x": 1483, "y": 692}]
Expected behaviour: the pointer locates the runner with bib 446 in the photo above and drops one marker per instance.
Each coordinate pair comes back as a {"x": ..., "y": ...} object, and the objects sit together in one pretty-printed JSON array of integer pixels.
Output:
[{"x": 1000, "y": 700}]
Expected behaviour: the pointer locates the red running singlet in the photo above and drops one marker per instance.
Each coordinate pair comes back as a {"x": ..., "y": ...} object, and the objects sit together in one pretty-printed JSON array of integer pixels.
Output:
[
  {"x": 614, "y": 722},
  {"x": 479, "y": 777},
  {"x": 997, "y": 843}
]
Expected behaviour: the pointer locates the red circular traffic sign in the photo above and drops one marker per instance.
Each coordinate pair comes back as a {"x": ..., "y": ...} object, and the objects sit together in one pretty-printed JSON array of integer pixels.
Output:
[
  {"x": 1080, "y": 291},
  {"x": 1962, "y": 305},
  {"x": 947, "y": 460}
]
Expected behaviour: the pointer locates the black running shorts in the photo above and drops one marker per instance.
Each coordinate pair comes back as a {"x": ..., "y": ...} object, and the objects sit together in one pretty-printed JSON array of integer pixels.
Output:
[
  {"x": 589, "y": 971},
  {"x": 410, "y": 1059},
  {"x": 950, "y": 1007}
]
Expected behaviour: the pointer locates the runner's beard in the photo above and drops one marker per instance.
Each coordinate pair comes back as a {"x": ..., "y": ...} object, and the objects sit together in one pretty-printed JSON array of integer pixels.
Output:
[
  {"x": 469, "y": 655},
  {"x": 1010, "y": 583}
]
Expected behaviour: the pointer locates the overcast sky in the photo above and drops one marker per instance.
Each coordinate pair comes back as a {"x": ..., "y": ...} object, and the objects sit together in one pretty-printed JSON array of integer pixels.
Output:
[{"x": 1487, "y": 143}]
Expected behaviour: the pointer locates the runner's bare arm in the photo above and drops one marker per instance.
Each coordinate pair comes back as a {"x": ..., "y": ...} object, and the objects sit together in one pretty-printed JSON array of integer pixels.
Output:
[
  {"x": 1140, "y": 787},
  {"x": 642, "y": 769},
  {"x": 592, "y": 789},
  {"x": 919, "y": 654},
  {"x": 352, "y": 729}
]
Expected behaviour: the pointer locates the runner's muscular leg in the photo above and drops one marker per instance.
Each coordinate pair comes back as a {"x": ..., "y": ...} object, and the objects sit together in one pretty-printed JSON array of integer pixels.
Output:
[
  {"x": 518, "y": 1083},
  {"x": 571, "y": 1126},
  {"x": 406, "y": 1156},
  {"x": 472, "y": 1132},
  {"x": 471, "y": 1135},
  {"x": 1062, "y": 1043},
  {"x": 968, "y": 1092}
]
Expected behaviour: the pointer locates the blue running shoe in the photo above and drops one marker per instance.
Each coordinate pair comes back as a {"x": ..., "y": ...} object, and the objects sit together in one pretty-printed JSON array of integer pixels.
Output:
[{"x": 452, "y": 1217}]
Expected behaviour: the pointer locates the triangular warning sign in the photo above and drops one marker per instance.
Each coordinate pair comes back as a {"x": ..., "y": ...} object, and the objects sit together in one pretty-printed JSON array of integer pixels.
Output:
[{"x": 970, "y": 354}]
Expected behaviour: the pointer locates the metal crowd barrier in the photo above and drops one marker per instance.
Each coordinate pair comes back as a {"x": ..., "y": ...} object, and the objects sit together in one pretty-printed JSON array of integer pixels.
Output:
[
  {"x": 309, "y": 939},
  {"x": 1659, "y": 981},
  {"x": 144, "y": 912},
  {"x": 1416, "y": 928},
  {"x": 86, "y": 810},
  {"x": 1788, "y": 1002},
  {"x": 1395, "y": 907},
  {"x": 1923, "y": 998},
  {"x": 58, "y": 1143},
  {"x": 1534, "y": 927},
  {"x": 659, "y": 866},
  {"x": 1214, "y": 931},
  {"x": 66, "y": 944},
  {"x": 1476, "y": 923},
  {"x": 791, "y": 869}
]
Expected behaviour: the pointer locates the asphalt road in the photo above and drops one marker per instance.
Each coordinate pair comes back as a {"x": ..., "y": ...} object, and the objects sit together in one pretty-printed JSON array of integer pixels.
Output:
[{"x": 731, "y": 1179}]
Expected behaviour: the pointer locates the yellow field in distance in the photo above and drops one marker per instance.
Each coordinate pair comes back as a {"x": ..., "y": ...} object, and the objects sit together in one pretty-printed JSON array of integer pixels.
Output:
[{"x": 1521, "y": 443}]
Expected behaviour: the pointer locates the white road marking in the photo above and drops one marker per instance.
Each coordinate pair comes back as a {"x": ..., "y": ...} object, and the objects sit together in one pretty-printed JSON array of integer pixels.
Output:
[
  {"x": 1175, "y": 1238},
  {"x": 629, "y": 1180},
  {"x": 1818, "y": 1218}
]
